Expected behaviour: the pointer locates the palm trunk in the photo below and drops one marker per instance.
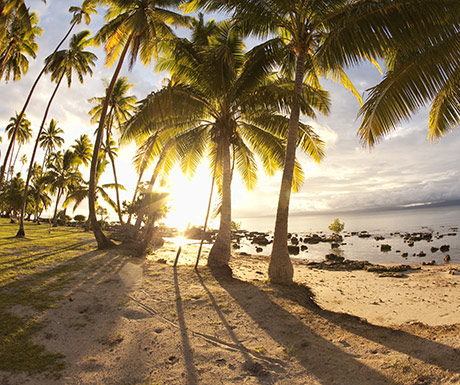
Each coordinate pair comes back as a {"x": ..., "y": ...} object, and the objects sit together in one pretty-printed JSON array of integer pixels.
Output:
[
  {"x": 280, "y": 269},
  {"x": 141, "y": 173},
  {"x": 205, "y": 226},
  {"x": 220, "y": 253},
  {"x": 9, "y": 166},
  {"x": 15, "y": 158},
  {"x": 58, "y": 198},
  {"x": 102, "y": 241},
  {"x": 112, "y": 160},
  {"x": 155, "y": 174},
  {"x": 21, "y": 115},
  {"x": 21, "y": 233}
]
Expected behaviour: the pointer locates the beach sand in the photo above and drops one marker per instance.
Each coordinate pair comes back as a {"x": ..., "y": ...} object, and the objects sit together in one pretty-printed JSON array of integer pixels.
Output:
[{"x": 141, "y": 321}]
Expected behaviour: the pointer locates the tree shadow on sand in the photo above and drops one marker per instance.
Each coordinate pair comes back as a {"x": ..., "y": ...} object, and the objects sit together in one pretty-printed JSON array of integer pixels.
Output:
[{"x": 315, "y": 353}]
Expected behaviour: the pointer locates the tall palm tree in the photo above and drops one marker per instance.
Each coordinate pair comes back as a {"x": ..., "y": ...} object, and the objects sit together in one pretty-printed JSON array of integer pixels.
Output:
[
  {"x": 24, "y": 133},
  {"x": 50, "y": 139},
  {"x": 322, "y": 38},
  {"x": 83, "y": 149},
  {"x": 19, "y": 42},
  {"x": 79, "y": 13},
  {"x": 135, "y": 26},
  {"x": 121, "y": 106},
  {"x": 62, "y": 64},
  {"x": 62, "y": 174},
  {"x": 422, "y": 69},
  {"x": 225, "y": 103}
]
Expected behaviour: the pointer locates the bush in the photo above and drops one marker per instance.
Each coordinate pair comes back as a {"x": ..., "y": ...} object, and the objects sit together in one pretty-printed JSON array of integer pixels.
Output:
[
  {"x": 79, "y": 218},
  {"x": 336, "y": 227}
]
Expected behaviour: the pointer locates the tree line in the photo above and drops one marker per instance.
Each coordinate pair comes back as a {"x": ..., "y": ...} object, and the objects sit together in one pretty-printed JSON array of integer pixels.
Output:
[{"x": 227, "y": 103}]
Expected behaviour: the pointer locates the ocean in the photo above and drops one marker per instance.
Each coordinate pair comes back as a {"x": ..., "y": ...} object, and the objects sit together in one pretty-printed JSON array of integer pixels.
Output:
[{"x": 443, "y": 222}]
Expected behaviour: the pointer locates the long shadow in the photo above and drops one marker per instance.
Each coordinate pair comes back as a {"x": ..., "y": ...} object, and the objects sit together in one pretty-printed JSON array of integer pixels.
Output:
[
  {"x": 34, "y": 258},
  {"x": 426, "y": 350},
  {"x": 40, "y": 292},
  {"x": 311, "y": 349},
  {"x": 186, "y": 346},
  {"x": 249, "y": 362}
]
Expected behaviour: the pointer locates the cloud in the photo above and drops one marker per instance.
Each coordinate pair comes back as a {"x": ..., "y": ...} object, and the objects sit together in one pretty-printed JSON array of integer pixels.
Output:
[{"x": 404, "y": 168}]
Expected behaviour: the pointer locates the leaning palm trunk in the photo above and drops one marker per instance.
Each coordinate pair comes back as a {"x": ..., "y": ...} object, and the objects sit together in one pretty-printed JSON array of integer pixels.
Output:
[
  {"x": 21, "y": 115},
  {"x": 21, "y": 233},
  {"x": 102, "y": 241},
  {"x": 280, "y": 269},
  {"x": 220, "y": 253},
  {"x": 136, "y": 190},
  {"x": 58, "y": 198},
  {"x": 112, "y": 161},
  {"x": 155, "y": 174}
]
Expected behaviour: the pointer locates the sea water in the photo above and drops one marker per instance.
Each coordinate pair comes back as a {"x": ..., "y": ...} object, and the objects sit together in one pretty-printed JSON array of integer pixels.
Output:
[{"x": 391, "y": 225}]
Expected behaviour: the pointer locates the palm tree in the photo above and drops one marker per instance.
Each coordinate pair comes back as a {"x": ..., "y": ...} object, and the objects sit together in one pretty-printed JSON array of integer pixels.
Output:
[
  {"x": 79, "y": 193},
  {"x": 120, "y": 109},
  {"x": 83, "y": 149},
  {"x": 62, "y": 174},
  {"x": 62, "y": 64},
  {"x": 38, "y": 192},
  {"x": 422, "y": 70},
  {"x": 18, "y": 43},
  {"x": 79, "y": 13},
  {"x": 23, "y": 160},
  {"x": 322, "y": 38},
  {"x": 50, "y": 139},
  {"x": 24, "y": 133},
  {"x": 137, "y": 26},
  {"x": 225, "y": 103}
]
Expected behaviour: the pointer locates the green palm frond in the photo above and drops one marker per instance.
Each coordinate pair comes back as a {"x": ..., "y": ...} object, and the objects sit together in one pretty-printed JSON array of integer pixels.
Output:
[{"x": 245, "y": 163}]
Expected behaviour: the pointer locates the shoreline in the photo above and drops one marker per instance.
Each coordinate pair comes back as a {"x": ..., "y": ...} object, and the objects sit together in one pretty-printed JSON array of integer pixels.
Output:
[{"x": 426, "y": 294}]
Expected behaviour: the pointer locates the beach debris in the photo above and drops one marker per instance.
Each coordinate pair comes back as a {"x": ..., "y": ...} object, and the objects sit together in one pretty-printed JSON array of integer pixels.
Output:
[
  {"x": 259, "y": 249},
  {"x": 364, "y": 234},
  {"x": 431, "y": 263},
  {"x": 410, "y": 244},
  {"x": 379, "y": 237},
  {"x": 434, "y": 249},
  {"x": 444, "y": 248},
  {"x": 385, "y": 247},
  {"x": 447, "y": 258},
  {"x": 303, "y": 247},
  {"x": 404, "y": 255},
  {"x": 421, "y": 254}
]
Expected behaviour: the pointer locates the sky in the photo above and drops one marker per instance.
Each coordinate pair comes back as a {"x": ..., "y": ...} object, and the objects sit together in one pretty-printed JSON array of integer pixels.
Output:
[{"x": 404, "y": 169}]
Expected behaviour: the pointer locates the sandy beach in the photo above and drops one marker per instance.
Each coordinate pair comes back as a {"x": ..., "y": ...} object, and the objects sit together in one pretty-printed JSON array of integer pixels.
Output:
[{"x": 142, "y": 321}]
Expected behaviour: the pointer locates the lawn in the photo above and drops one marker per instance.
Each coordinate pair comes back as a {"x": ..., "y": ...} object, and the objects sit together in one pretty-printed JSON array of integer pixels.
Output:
[{"x": 33, "y": 270}]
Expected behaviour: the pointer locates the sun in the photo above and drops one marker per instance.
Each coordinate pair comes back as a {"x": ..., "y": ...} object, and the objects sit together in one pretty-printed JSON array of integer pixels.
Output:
[{"x": 189, "y": 198}]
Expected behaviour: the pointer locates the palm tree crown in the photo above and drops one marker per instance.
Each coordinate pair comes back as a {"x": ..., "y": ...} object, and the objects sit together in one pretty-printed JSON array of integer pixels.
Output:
[
  {"x": 19, "y": 42},
  {"x": 225, "y": 103}
]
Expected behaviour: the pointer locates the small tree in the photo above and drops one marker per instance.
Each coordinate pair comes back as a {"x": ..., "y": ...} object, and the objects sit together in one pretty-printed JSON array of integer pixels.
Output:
[
  {"x": 336, "y": 227},
  {"x": 79, "y": 218}
]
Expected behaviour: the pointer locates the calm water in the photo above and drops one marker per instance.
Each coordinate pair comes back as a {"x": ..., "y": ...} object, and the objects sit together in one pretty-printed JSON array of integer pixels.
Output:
[{"x": 440, "y": 221}]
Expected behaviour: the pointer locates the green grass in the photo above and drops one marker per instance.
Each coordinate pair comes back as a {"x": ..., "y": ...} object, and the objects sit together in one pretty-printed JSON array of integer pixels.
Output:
[{"x": 32, "y": 272}]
